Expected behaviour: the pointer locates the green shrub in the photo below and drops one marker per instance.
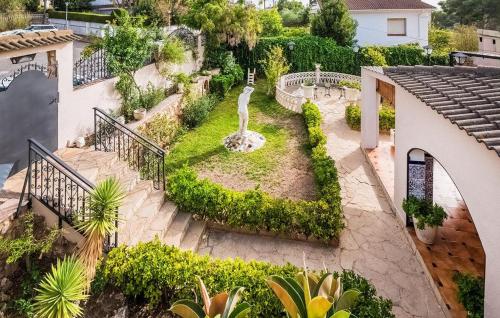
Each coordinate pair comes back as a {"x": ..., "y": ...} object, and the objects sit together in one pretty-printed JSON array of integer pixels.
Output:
[
  {"x": 221, "y": 84},
  {"x": 81, "y": 16},
  {"x": 255, "y": 210},
  {"x": 424, "y": 211},
  {"x": 350, "y": 84},
  {"x": 372, "y": 56},
  {"x": 353, "y": 116},
  {"x": 195, "y": 112},
  {"x": 230, "y": 67},
  {"x": 161, "y": 129},
  {"x": 296, "y": 31},
  {"x": 158, "y": 272},
  {"x": 152, "y": 96},
  {"x": 386, "y": 117},
  {"x": 470, "y": 294}
]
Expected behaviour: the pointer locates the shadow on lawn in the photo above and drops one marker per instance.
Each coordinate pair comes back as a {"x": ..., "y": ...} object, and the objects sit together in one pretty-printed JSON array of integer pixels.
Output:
[{"x": 193, "y": 160}]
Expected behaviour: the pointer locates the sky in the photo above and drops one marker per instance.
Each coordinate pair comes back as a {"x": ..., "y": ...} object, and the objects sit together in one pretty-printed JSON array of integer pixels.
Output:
[{"x": 433, "y": 2}]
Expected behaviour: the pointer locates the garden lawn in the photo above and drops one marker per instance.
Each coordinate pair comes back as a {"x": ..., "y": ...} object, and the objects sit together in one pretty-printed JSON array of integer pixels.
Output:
[{"x": 281, "y": 167}]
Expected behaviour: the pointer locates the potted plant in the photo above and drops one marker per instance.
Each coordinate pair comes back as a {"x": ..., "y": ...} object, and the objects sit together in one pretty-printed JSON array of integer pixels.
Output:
[
  {"x": 139, "y": 113},
  {"x": 181, "y": 80},
  {"x": 427, "y": 216},
  {"x": 308, "y": 88}
]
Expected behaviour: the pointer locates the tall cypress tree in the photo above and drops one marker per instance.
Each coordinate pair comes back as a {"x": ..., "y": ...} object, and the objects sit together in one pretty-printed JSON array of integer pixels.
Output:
[{"x": 334, "y": 21}]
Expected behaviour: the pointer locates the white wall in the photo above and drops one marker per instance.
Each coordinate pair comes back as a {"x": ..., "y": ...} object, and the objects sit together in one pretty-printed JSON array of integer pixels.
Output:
[
  {"x": 372, "y": 26},
  {"x": 80, "y": 27},
  {"x": 474, "y": 169}
]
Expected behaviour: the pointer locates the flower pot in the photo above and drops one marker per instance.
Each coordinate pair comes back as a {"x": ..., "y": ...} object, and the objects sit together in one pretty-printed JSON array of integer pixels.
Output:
[
  {"x": 427, "y": 235},
  {"x": 308, "y": 91},
  {"x": 139, "y": 113}
]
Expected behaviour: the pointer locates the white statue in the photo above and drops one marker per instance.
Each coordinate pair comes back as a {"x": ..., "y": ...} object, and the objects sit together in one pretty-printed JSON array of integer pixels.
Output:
[{"x": 243, "y": 101}]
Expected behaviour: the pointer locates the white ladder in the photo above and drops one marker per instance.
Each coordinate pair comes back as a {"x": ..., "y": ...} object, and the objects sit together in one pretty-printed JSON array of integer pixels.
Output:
[{"x": 251, "y": 77}]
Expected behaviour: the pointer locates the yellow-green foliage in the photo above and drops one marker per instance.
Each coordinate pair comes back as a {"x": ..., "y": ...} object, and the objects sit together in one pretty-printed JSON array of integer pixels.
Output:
[
  {"x": 162, "y": 273},
  {"x": 386, "y": 117},
  {"x": 161, "y": 129},
  {"x": 274, "y": 66},
  {"x": 465, "y": 38}
]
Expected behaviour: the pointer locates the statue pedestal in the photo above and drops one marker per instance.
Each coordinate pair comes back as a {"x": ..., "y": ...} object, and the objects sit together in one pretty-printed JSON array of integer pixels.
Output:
[{"x": 248, "y": 143}]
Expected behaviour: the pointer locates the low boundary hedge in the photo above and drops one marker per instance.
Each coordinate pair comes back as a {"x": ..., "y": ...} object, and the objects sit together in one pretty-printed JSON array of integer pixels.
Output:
[
  {"x": 386, "y": 117},
  {"x": 162, "y": 273},
  {"x": 255, "y": 210},
  {"x": 81, "y": 16}
]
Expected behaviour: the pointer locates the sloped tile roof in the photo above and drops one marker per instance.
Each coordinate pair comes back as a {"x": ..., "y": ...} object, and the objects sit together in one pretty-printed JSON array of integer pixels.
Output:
[
  {"x": 35, "y": 39},
  {"x": 387, "y": 4},
  {"x": 469, "y": 97}
]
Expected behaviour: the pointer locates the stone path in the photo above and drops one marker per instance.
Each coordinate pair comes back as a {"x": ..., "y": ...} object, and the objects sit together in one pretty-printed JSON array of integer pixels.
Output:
[{"x": 373, "y": 243}]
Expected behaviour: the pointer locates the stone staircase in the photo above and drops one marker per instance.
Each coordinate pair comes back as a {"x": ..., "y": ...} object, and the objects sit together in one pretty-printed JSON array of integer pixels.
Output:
[{"x": 145, "y": 213}]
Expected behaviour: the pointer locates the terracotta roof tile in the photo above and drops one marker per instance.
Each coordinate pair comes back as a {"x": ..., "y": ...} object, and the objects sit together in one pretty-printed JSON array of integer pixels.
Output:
[
  {"x": 467, "y": 96},
  {"x": 387, "y": 4},
  {"x": 35, "y": 39}
]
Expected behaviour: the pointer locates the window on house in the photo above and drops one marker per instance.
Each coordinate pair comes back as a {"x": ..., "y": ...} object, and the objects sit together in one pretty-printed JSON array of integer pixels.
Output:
[
  {"x": 396, "y": 27},
  {"x": 494, "y": 41},
  {"x": 480, "y": 39}
]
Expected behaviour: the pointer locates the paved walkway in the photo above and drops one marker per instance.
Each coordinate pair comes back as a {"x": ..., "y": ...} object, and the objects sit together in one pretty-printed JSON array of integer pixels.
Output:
[{"x": 373, "y": 244}]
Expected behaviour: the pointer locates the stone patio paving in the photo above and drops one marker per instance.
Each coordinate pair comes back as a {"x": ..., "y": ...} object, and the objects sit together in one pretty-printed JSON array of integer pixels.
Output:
[{"x": 373, "y": 244}]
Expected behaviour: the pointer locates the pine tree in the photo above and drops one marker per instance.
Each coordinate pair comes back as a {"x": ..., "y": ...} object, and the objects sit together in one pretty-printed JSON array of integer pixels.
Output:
[{"x": 334, "y": 21}]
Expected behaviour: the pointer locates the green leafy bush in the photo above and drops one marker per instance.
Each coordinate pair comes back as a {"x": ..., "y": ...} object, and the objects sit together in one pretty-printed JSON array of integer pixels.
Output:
[
  {"x": 272, "y": 24},
  {"x": 350, "y": 84},
  {"x": 255, "y": 210},
  {"x": 296, "y": 31},
  {"x": 221, "y": 84},
  {"x": 81, "y": 16},
  {"x": 353, "y": 116},
  {"x": 161, "y": 129},
  {"x": 230, "y": 67},
  {"x": 386, "y": 117},
  {"x": 372, "y": 56},
  {"x": 158, "y": 272},
  {"x": 470, "y": 294},
  {"x": 424, "y": 211},
  {"x": 195, "y": 112}
]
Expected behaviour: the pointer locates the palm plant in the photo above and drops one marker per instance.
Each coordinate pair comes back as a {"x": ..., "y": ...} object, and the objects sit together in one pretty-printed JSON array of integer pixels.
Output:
[
  {"x": 313, "y": 296},
  {"x": 105, "y": 200},
  {"x": 222, "y": 305},
  {"x": 61, "y": 290}
]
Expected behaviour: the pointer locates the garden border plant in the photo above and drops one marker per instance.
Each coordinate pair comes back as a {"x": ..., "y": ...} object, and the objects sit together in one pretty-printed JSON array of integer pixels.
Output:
[
  {"x": 256, "y": 211},
  {"x": 157, "y": 272}
]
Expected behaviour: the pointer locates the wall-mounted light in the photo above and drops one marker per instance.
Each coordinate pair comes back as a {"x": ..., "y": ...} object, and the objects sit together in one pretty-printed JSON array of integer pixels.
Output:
[
  {"x": 291, "y": 45},
  {"x": 428, "y": 52},
  {"x": 23, "y": 58},
  {"x": 460, "y": 58}
]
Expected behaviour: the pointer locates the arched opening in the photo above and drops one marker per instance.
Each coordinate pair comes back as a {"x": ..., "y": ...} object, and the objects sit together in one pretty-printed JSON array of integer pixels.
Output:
[{"x": 457, "y": 247}]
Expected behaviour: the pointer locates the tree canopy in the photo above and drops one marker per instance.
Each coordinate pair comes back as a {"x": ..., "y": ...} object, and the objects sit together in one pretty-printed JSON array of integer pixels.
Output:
[
  {"x": 334, "y": 21},
  {"x": 484, "y": 14}
]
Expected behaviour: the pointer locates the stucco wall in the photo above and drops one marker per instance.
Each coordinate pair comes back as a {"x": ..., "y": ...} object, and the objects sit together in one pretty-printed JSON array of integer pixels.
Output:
[
  {"x": 474, "y": 169},
  {"x": 76, "y": 105},
  {"x": 372, "y": 27}
]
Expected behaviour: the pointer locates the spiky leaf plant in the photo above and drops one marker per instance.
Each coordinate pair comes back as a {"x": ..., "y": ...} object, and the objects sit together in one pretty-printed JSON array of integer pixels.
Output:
[
  {"x": 61, "y": 290},
  {"x": 312, "y": 296},
  {"x": 105, "y": 200},
  {"x": 222, "y": 305}
]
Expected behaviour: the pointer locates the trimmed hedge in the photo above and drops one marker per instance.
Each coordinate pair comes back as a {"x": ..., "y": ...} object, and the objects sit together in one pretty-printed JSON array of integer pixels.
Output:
[
  {"x": 386, "y": 117},
  {"x": 81, "y": 16},
  {"x": 162, "y": 273},
  {"x": 221, "y": 84},
  {"x": 309, "y": 50},
  {"x": 256, "y": 210}
]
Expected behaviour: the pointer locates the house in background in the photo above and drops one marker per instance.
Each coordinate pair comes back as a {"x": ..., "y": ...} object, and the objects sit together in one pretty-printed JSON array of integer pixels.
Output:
[
  {"x": 391, "y": 22},
  {"x": 489, "y": 40}
]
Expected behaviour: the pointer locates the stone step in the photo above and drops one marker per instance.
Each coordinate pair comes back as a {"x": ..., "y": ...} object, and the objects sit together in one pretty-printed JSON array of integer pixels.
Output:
[
  {"x": 134, "y": 199},
  {"x": 194, "y": 236},
  {"x": 159, "y": 225},
  {"x": 178, "y": 229}
]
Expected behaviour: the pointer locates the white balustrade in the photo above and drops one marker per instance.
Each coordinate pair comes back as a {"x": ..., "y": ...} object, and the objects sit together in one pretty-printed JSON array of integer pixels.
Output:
[{"x": 293, "y": 101}]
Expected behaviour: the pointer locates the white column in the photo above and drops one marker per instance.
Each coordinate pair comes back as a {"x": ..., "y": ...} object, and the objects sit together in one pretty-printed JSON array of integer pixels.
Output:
[
  {"x": 64, "y": 56},
  {"x": 369, "y": 110}
]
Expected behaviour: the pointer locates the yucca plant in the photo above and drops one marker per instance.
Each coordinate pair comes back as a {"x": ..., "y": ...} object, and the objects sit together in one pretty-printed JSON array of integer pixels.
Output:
[
  {"x": 222, "y": 305},
  {"x": 313, "y": 296},
  {"x": 105, "y": 200},
  {"x": 61, "y": 290}
]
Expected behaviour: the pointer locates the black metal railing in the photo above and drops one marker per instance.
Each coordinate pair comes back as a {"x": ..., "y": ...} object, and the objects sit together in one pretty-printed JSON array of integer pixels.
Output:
[
  {"x": 140, "y": 153},
  {"x": 48, "y": 71},
  {"x": 59, "y": 188},
  {"x": 90, "y": 69}
]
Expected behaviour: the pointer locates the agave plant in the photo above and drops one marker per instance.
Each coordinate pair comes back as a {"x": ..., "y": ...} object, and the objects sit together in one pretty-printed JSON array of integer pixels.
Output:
[
  {"x": 313, "y": 296},
  {"x": 105, "y": 200},
  {"x": 61, "y": 290},
  {"x": 222, "y": 305}
]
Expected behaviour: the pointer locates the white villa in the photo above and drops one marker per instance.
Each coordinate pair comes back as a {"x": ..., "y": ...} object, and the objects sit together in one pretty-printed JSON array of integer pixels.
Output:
[{"x": 391, "y": 22}]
